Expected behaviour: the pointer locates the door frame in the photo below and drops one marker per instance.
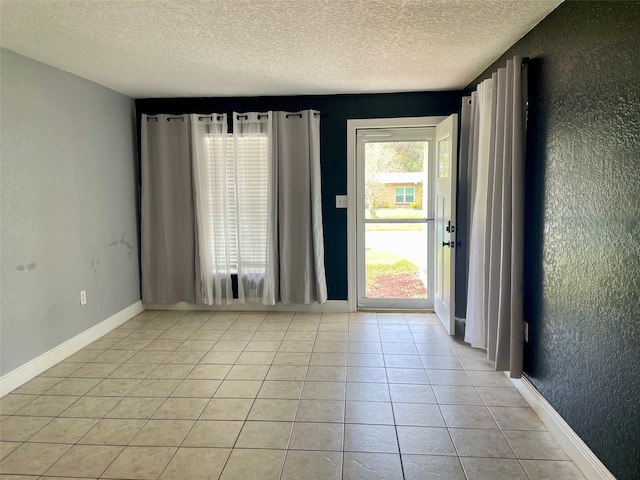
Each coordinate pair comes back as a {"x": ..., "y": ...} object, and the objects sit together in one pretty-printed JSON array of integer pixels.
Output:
[{"x": 352, "y": 127}]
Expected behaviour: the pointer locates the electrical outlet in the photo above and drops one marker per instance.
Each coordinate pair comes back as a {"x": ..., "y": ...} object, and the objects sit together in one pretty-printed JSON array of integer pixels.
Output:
[
  {"x": 83, "y": 297},
  {"x": 526, "y": 332},
  {"x": 341, "y": 201}
]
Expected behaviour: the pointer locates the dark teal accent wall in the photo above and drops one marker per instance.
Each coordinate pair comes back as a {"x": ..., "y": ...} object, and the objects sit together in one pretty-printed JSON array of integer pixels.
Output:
[
  {"x": 582, "y": 236},
  {"x": 335, "y": 109}
]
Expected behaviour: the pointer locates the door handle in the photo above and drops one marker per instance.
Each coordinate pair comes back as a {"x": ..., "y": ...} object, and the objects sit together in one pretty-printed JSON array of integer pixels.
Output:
[{"x": 451, "y": 244}]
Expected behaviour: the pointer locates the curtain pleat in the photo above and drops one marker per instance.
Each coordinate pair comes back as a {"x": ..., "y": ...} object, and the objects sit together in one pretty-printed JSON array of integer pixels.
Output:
[
  {"x": 167, "y": 216},
  {"x": 211, "y": 198},
  {"x": 300, "y": 232},
  {"x": 255, "y": 179},
  {"x": 495, "y": 167}
]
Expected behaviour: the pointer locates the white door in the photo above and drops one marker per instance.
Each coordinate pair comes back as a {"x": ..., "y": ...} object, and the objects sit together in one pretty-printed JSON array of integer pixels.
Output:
[{"x": 445, "y": 216}]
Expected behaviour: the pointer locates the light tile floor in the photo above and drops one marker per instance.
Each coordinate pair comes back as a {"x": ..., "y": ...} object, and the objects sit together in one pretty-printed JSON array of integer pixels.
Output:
[{"x": 179, "y": 395}]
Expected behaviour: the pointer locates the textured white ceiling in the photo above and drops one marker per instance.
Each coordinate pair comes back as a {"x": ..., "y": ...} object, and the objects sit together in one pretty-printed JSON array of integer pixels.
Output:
[{"x": 268, "y": 47}]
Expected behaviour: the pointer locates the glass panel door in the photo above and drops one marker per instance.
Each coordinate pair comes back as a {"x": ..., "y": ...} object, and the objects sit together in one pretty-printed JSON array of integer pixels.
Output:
[{"x": 395, "y": 221}]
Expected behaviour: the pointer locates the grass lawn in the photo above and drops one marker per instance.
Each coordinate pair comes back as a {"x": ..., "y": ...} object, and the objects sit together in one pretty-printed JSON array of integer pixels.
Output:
[
  {"x": 391, "y": 276},
  {"x": 385, "y": 263}
]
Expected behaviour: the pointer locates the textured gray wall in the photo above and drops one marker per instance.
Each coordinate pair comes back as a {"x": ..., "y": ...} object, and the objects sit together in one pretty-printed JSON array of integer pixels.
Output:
[
  {"x": 68, "y": 220},
  {"x": 582, "y": 237}
]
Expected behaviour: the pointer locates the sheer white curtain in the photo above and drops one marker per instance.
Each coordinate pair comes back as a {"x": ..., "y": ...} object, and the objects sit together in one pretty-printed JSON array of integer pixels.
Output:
[
  {"x": 214, "y": 190},
  {"x": 496, "y": 124},
  {"x": 256, "y": 177}
]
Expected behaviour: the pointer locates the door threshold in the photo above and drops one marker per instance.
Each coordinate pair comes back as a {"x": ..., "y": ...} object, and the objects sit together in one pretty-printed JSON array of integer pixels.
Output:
[{"x": 395, "y": 310}]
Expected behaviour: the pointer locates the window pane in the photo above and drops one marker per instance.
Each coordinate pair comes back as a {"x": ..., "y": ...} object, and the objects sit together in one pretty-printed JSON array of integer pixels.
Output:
[
  {"x": 444, "y": 157},
  {"x": 394, "y": 176},
  {"x": 396, "y": 260}
]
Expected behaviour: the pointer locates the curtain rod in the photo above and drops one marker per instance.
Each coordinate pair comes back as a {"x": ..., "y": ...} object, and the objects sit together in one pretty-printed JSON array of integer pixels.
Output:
[{"x": 219, "y": 117}]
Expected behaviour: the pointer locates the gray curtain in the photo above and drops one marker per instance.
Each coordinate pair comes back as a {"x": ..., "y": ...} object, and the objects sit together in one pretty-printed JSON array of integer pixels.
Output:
[
  {"x": 494, "y": 122},
  {"x": 181, "y": 261},
  {"x": 167, "y": 213},
  {"x": 300, "y": 234}
]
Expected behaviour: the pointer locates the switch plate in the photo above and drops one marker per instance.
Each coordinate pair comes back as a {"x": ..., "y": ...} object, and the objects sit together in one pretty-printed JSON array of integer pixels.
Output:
[
  {"x": 83, "y": 297},
  {"x": 341, "y": 201}
]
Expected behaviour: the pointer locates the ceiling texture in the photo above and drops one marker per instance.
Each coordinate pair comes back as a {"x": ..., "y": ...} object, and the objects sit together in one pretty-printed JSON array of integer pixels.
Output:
[{"x": 215, "y": 48}]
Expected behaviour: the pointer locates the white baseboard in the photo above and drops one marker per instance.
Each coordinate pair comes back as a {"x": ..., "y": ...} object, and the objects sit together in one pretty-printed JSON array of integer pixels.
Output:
[
  {"x": 29, "y": 370},
  {"x": 330, "y": 306},
  {"x": 573, "y": 445}
]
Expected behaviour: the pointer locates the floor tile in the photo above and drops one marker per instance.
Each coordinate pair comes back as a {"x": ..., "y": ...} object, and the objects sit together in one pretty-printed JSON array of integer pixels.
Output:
[
  {"x": 489, "y": 379},
  {"x": 7, "y": 447},
  {"x": 32, "y": 458},
  {"x": 502, "y": 397},
  {"x": 407, "y": 393},
  {"x": 273, "y": 409},
  {"x": 312, "y": 466},
  {"x": 181, "y": 408},
  {"x": 238, "y": 389},
  {"x": 212, "y": 433},
  {"x": 379, "y": 413},
  {"x": 19, "y": 429},
  {"x": 320, "y": 411},
  {"x": 132, "y": 407},
  {"x": 370, "y": 438},
  {"x": 64, "y": 430},
  {"x": 286, "y": 389},
  {"x": 493, "y": 469},
  {"x": 326, "y": 374},
  {"x": 467, "y": 416},
  {"x": 38, "y": 385},
  {"x": 456, "y": 395},
  {"x": 140, "y": 463},
  {"x": 95, "y": 370},
  {"x": 227, "y": 409},
  {"x": 112, "y": 432},
  {"x": 552, "y": 470},
  {"x": 402, "y": 361},
  {"x": 84, "y": 461},
  {"x": 114, "y": 387},
  {"x": 415, "y": 376},
  {"x": 324, "y": 391},
  {"x": 196, "y": 464},
  {"x": 480, "y": 443},
  {"x": 432, "y": 467},
  {"x": 196, "y": 388},
  {"x": 252, "y": 464},
  {"x": 248, "y": 372},
  {"x": 425, "y": 440},
  {"x": 265, "y": 435},
  {"x": 155, "y": 388},
  {"x": 371, "y": 466},
  {"x": 366, "y": 374},
  {"x": 365, "y": 360},
  {"x": 418, "y": 414},
  {"x": 91, "y": 407},
  {"x": 535, "y": 445},
  {"x": 372, "y": 392},
  {"x": 287, "y": 396},
  {"x": 441, "y": 362},
  {"x": 209, "y": 372},
  {"x": 448, "y": 377},
  {"x": 287, "y": 372},
  {"x": 47, "y": 406},
  {"x": 516, "y": 418},
  {"x": 317, "y": 436},
  {"x": 165, "y": 433}
]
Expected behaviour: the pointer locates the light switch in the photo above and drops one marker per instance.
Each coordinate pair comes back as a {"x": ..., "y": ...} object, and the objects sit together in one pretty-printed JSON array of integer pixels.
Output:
[{"x": 341, "y": 201}]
